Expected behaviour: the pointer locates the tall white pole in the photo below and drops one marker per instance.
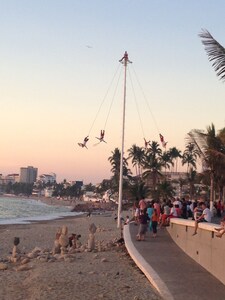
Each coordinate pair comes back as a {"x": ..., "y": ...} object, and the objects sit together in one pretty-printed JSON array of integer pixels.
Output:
[{"x": 124, "y": 61}]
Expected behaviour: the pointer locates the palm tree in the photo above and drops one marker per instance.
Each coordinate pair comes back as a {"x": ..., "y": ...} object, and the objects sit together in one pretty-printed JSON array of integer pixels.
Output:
[
  {"x": 115, "y": 162},
  {"x": 212, "y": 153},
  {"x": 181, "y": 182},
  {"x": 191, "y": 179},
  {"x": 165, "y": 190},
  {"x": 138, "y": 190},
  {"x": 137, "y": 155},
  {"x": 153, "y": 163},
  {"x": 166, "y": 160},
  {"x": 215, "y": 52},
  {"x": 190, "y": 156},
  {"x": 175, "y": 154},
  {"x": 154, "y": 149}
]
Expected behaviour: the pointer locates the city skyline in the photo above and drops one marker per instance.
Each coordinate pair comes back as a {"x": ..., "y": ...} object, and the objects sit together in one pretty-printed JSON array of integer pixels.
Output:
[{"x": 58, "y": 59}]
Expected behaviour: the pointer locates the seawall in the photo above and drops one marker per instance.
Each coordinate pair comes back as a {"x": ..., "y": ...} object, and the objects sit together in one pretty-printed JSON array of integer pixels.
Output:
[{"x": 204, "y": 247}]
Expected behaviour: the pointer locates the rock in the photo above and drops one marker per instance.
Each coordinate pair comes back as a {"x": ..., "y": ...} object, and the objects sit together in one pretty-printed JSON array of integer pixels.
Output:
[
  {"x": 15, "y": 251},
  {"x": 3, "y": 266},
  {"x": 25, "y": 261},
  {"x": 101, "y": 296},
  {"x": 32, "y": 255},
  {"x": 91, "y": 242},
  {"x": 63, "y": 240},
  {"x": 14, "y": 259},
  {"x": 16, "y": 241},
  {"x": 82, "y": 248},
  {"x": 104, "y": 260},
  {"x": 23, "y": 268},
  {"x": 92, "y": 273},
  {"x": 69, "y": 259},
  {"x": 42, "y": 259},
  {"x": 51, "y": 260},
  {"x": 64, "y": 230},
  {"x": 92, "y": 228},
  {"x": 36, "y": 250}
]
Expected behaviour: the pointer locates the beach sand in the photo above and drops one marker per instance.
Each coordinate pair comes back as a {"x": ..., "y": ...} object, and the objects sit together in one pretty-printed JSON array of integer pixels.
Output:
[{"x": 86, "y": 275}]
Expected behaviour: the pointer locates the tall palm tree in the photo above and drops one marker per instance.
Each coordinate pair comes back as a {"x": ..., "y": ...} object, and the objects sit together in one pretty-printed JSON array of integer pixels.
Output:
[
  {"x": 115, "y": 162},
  {"x": 212, "y": 153},
  {"x": 190, "y": 156},
  {"x": 215, "y": 52},
  {"x": 153, "y": 163},
  {"x": 191, "y": 179},
  {"x": 137, "y": 155},
  {"x": 154, "y": 149},
  {"x": 166, "y": 160},
  {"x": 175, "y": 154}
]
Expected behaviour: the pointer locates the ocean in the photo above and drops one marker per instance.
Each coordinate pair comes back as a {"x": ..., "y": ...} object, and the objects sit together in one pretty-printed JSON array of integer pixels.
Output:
[{"x": 24, "y": 211}]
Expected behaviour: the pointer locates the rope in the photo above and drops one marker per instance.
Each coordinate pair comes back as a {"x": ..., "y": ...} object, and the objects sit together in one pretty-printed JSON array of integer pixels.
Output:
[
  {"x": 104, "y": 99},
  {"x": 153, "y": 118},
  {"x": 137, "y": 107},
  {"x": 113, "y": 98}
]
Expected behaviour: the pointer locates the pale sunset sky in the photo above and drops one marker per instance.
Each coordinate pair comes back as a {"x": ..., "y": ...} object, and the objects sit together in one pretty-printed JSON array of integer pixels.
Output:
[{"x": 58, "y": 59}]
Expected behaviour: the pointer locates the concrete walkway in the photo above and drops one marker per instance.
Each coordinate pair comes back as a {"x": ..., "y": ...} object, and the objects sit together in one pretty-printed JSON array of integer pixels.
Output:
[{"x": 173, "y": 273}]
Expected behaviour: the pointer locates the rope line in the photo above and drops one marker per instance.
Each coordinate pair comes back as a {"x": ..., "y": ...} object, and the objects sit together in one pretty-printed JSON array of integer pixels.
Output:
[
  {"x": 153, "y": 118},
  {"x": 113, "y": 98},
  {"x": 104, "y": 99},
  {"x": 136, "y": 104}
]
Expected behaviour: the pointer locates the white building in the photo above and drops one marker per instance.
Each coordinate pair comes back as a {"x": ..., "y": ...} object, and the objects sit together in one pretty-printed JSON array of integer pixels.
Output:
[{"x": 47, "y": 178}]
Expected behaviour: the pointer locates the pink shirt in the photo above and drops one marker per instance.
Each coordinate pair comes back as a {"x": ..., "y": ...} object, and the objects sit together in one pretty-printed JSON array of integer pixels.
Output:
[{"x": 142, "y": 204}]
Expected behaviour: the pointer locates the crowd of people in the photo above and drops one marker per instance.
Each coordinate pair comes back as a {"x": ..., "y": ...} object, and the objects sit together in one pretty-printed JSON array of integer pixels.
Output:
[{"x": 151, "y": 214}]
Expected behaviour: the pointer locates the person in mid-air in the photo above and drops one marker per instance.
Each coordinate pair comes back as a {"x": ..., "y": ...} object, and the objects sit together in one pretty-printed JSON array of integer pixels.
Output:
[
  {"x": 101, "y": 138},
  {"x": 146, "y": 143},
  {"x": 86, "y": 139},
  {"x": 162, "y": 140}
]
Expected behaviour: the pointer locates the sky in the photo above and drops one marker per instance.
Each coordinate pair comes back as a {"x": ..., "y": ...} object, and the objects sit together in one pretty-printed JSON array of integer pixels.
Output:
[{"x": 61, "y": 80}]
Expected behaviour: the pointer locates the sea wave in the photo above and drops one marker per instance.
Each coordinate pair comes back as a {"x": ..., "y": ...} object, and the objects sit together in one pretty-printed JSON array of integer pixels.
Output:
[{"x": 24, "y": 211}]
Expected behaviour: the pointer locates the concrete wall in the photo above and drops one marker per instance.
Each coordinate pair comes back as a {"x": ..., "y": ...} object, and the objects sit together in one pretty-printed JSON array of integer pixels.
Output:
[{"x": 205, "y": 248}]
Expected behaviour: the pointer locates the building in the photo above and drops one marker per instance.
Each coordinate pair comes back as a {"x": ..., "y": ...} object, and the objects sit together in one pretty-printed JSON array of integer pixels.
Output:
[
  {"x": 47, "y": 178},
  {"x": 10, "y": 178},
  {"x": 28, "y": 175}
]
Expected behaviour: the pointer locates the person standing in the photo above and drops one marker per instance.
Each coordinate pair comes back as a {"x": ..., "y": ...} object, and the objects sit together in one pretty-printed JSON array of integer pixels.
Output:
[
  {"x": 142, "y": 204},
  {"x": 143, "y": 225},
  {"x": 155, "y": 219},
  {"x": 150, "y": 210}
]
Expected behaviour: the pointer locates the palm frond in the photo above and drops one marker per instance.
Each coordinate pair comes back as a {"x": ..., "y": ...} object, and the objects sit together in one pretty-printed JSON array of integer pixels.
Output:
[{"x": 215, "y": 52}]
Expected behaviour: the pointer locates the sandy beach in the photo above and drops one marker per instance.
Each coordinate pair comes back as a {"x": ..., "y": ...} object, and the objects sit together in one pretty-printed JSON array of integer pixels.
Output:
[{"x": 104, "y": 273}]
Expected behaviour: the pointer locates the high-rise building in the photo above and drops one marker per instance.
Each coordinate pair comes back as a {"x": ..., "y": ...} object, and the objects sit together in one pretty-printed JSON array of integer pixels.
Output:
[{"x": 28, "y": 175}]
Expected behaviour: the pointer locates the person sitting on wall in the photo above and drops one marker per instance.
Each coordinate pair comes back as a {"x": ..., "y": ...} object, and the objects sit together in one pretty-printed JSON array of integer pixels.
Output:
[
  {"x": 205, "y": 216},
  {"x": 221, "y": 229}
]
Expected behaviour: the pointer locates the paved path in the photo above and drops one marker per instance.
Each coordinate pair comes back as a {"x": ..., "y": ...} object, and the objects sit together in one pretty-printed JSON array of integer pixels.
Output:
[{"x": 174, "y": 274}]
